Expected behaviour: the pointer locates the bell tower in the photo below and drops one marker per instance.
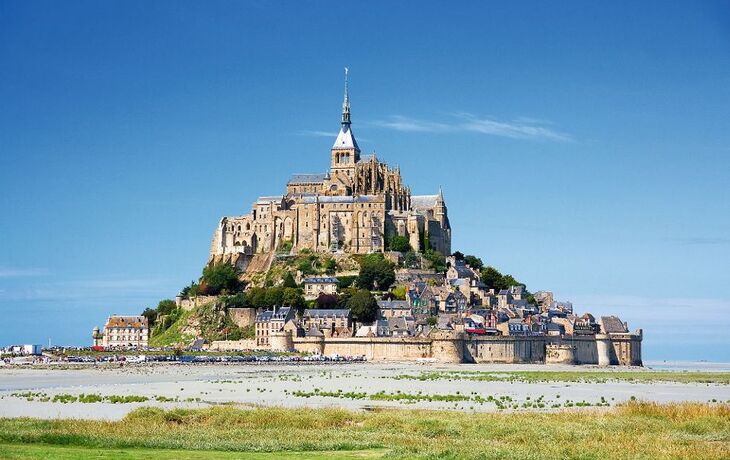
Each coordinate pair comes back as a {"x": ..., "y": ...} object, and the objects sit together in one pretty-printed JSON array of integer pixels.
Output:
[{"x": 345, "y": 151}]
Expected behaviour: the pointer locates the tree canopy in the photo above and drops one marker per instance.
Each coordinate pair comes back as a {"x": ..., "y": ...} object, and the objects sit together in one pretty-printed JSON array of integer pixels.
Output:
[
  {"x": 363, "y": 306},
  {"x": 474, "y": 262},
  {"x": 220, "y": 278},
  {"x": 400, "y": 243},
  {"x": 495, "y": 280},
  {"x": 376, "y": 273}
]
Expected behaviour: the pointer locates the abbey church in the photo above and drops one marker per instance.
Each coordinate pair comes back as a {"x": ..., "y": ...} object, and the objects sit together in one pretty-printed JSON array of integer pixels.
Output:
[{"x": 356, "y": 208}]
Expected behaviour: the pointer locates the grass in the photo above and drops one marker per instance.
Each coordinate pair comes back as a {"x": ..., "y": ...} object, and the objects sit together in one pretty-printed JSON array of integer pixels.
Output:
[
  {"x": 721, "y": 378},
  {"x": 633, "y": 430},
  {"x": 28, "y": 451}
]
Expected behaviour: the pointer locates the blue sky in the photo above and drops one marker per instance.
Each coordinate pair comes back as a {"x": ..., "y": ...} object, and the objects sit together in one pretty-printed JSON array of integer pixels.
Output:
[{"x": 582, "y": 148}]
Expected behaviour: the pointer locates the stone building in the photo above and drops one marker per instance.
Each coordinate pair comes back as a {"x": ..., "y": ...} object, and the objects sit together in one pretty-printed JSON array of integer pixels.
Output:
[
  {"x": 316, "y": 285},
  {"x": 123, "y": 332},
  {"x": 271, "y": 322},
  {"x": 352, "y": 208}
]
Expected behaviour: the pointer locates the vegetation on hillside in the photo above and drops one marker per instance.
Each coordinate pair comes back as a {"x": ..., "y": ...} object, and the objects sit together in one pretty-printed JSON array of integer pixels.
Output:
[{"x": 633, "y": 430}]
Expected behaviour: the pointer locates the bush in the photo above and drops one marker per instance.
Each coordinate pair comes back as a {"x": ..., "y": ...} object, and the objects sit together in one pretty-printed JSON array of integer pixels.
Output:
[{"x": 437, "y": 260}]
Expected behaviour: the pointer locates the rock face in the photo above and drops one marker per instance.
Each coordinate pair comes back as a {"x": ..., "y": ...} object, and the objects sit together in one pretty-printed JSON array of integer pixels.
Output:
[{"x": 353, "y": 208}]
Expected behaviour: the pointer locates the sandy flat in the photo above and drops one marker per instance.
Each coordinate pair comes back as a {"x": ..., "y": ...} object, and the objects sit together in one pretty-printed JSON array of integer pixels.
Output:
[{"x": 272, "y": 385}]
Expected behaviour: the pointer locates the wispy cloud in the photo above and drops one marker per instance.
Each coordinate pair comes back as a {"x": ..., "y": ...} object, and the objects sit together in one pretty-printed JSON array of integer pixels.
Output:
[
  {"x": 314, "y": 133},
  {"x": 8, "y": 272},
  {"x": 702, "y": 241},
  {"x": 520, "y": 128}
]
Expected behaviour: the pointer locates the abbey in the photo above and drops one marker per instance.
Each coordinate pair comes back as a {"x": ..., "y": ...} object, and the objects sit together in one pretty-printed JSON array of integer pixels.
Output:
[{"x": 356, "y": 207}]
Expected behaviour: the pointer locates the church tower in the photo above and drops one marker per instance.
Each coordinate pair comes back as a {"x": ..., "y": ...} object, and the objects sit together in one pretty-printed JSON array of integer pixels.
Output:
[{"x": 345, "y": 151}]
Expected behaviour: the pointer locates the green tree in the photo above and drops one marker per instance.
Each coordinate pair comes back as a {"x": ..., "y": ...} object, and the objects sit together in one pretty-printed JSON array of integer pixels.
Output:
[
  {"x": 220, "y": 278},
  {"x": 376, "y": 273},
  {"x": 474, "y": 262},
  {"x": 400, "y": 243},
  {"x": 432, "y": 321},
  {"x": 492, "y": 278},
  {"x": 274, "y": 297},
  {"x": 257, "y": 297},
  {"x": 151, "y": 315},
  {"x": 166, "y": 306},
  {"x": 363, "y": 306},
  {"x": 437, "y": 260},
  {"x": 399, "y": 292},
  {"x": 293, "y": 297},
  {"x": 289, "y": 281}
]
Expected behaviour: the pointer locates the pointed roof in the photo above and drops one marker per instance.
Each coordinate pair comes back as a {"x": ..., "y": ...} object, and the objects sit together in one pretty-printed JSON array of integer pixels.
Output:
[{"x": 345, "y": 139}]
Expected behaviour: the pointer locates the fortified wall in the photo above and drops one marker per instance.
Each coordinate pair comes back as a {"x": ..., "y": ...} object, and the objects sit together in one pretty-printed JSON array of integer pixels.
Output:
[{"x": 458, "y": 347}]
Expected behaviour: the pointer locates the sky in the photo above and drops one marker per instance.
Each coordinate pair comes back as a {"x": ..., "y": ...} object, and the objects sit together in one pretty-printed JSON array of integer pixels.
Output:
[{"x": 582, "y": 148}]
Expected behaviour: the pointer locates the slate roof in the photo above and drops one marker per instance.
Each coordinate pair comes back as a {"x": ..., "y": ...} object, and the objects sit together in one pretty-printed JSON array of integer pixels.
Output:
[
  {"x": 321, "y": 280},
  {"x": 309, "y": 199},
  {"x": 327, "y": 313},
  {"x": 613, "y": 325},
  {"x": 392, "y": 304},
  {"x": 423, "y": 202},
  {"x": 281, "y": 314},
  {"x": 136, "y": 322},
  {"x": 308, "y": 178}
]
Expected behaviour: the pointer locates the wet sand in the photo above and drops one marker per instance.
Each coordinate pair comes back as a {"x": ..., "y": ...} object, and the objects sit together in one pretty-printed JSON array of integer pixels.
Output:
[{"x": 248, "y": 385}]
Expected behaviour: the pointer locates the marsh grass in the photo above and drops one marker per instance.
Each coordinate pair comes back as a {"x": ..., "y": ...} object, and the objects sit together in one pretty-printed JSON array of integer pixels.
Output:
[
  {"x": 633, "y": 430},
  {"x": 720, "y": 378}
]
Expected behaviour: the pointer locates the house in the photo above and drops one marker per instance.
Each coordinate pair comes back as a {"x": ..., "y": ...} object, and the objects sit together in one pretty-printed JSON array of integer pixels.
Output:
[
  {"x": 399, "y": 327},
  {"x": 585, "y": 325},
  {"x": 515, "y": 326},
  {"x": 422, "y": 299},
  {"x": 331, "y": 322},
  {"x": 393, "y": 308},
  {"x": 554, "y": 329},
  {"x": 123, "y": 332},
  {"x": 271, "y": 321},
  {"x": 449, "y": 301},
  {"x": 316, "y": 285}
]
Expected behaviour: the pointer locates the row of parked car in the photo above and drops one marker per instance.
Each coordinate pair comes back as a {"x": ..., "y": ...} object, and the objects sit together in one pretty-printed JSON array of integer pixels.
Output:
[{"x": 212, "y": 358}]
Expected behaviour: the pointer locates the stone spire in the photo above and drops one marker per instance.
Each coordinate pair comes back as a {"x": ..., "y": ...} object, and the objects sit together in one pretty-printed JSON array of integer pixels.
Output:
[{"x": 346, "y": 102}]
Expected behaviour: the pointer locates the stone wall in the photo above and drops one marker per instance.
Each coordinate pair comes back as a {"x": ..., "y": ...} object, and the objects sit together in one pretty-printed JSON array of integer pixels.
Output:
[
  {"x": 450, "y": 347},
  {"x": 193, "y": 302},
  {"x": 233, "y": 345},
  {"x": 243, "y": 316},
  {"x": 373, "y": 348}
]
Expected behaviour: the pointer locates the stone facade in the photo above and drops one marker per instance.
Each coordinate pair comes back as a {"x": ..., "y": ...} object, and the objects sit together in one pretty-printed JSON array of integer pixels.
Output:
[
  {"x": 123, "y": 332},
  {"x": 353, "y": 208}
]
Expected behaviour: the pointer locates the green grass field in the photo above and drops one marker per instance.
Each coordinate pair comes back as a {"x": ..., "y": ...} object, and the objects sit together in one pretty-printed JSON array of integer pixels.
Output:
[{"x": 634, "y": 430}]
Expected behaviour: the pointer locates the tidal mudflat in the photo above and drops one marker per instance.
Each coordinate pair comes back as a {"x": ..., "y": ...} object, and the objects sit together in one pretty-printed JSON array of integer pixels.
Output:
[{"x": 111, "y": 392}]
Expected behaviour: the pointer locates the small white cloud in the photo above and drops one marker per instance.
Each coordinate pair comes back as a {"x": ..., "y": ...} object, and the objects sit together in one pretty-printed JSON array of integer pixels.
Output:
[
  {"x": 521, "y": 128},
  {"x": 314, "y": 133}
]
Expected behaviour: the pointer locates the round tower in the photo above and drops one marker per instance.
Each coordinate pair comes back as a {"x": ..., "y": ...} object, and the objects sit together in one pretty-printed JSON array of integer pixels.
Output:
[{"x": 603, "y": 348}]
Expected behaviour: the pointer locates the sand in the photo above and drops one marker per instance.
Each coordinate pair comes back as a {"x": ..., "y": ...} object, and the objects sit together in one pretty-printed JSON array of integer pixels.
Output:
[{"x": 247, "y": 385}]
